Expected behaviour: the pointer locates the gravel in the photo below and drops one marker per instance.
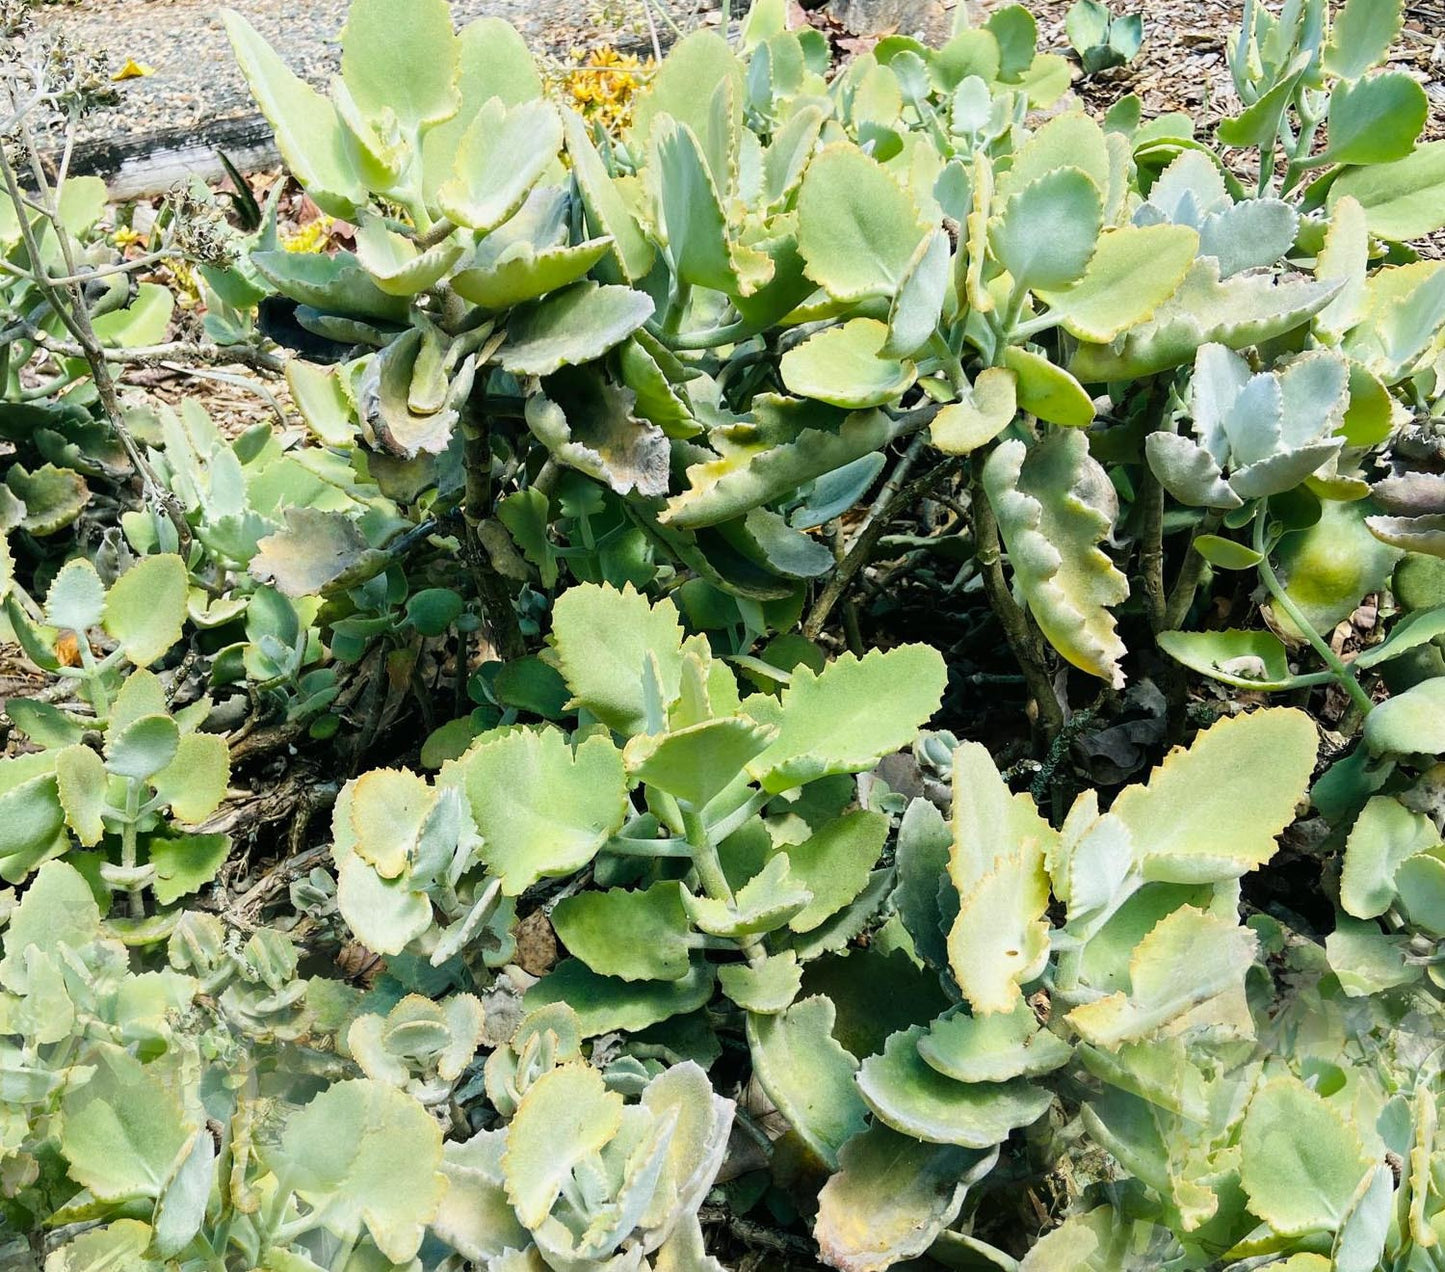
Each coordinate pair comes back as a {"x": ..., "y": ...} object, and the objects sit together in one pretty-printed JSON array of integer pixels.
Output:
[{"x": 196, "y": 82}]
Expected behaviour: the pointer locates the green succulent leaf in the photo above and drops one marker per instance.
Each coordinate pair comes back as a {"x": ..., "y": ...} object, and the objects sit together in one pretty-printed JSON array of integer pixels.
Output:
[
  {"x": 1375, "y": 119},
  {"x": 81, "y": 777},
  {"x": 1362, "y": 36},
  {"x": 123, "y": 1128},
  {"x": 541, "y": 808},
  {"x": 984, "y": 410},
  {"x": 1055, "y": 505},
  {"x": 194, "y": 782},
  {"x": 1401, "y": 200},
  {"x": 1188, "y": 973},
  {"x": 699, "y": 762},
  {"x": 890, "y": 1198},
  {"x": 916, "y": 1100},
  {"x": 311, "y": 138},
  {"x": 370, "y": 1155},
  {"x": 808, "y": 1075},
  {"x": 576, "y": 325},
  {"x": 994, "y": 1048},
  {"x": 1385, "y": 835},
  {"x": 634, "y": 935},
  {"x": 1212, "y": 811},
  {"x": 76, "y": 600},
  {"x": 607, "y": 1003},
  {"x": 1301, "y": 1161},
  {"x": 847, "y": 717},
  {"x": 502, "y": 155},
  {"x": 146, "y": 608},
  {"x": 766, "y": 988},
  {"x": 858, "y": 229},
  {"x": 846, "y": 366}
]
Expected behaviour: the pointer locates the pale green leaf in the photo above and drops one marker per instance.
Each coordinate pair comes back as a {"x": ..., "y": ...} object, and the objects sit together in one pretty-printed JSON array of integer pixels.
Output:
[
  {"x": 606, "y": 1004},
  {"x": 846, "y": 718},
  {"x": 1055, "y": 506},
  {"x": 846, "y": 366},
  {"x": 1134, "y": 270},
  {"x": 1047, "y": 231},
  {"x": 366, "y": 1154},
  {"x": 1384, "y": 836},
  {"x": 1045, "y": 389},
  {"x": 1364, "y": 31},
  {"x": 76, "y": 600},
  {"x": 1211, "y": 812},
  {"x": 633, "y": 935},
  {"x": 858, "y": 229},
  {"x": 1301, "y": 1161},
  {"x": 82, "y": 780},
  {"x": 993, "y": 1048},
  {"x": 143, "y": 748},
  {"x": 541, "y": 809},
  {"x": 984, "y": 410},
  {"x": 808, "y": 1075},
  {"x": 309, "y": 135},
  {"x": 145, "y": 608},
  {"x": 502, "y": 155},
  {"x": 696, "y": 763},
  {"x": 194, "y": 782},
  {"x": 401, "y": 71},
  {"x": 576, "y": 325},
  {"x": 918, "y": 1101},
  {"x": 891, "y": 1197},
  {"x": 1403, "y": 200}
]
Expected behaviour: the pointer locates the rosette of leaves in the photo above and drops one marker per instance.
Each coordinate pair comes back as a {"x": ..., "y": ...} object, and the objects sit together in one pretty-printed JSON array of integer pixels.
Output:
[
  {"x": 1099, "y": 38},
  {"x": 1109, "y": 950},
  {"x": 1267, "y": 431},
  {"x": 579, "y": 1178},
  {"x": 406, "y": 857},
  {"x": 420, "y": 1046}
]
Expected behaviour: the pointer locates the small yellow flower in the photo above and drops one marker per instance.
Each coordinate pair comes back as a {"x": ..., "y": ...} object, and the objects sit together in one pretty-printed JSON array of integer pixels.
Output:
[{"x": 311, "y": 237}]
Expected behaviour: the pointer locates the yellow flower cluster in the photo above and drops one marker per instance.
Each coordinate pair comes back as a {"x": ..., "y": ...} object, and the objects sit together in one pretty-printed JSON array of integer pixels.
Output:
[
  {"x": 311, "y": 237},
  {"x": 600, "y": 84}
]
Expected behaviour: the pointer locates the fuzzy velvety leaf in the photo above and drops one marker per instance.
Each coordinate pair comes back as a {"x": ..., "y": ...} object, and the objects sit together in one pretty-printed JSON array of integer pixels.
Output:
[
  {"x": 1385, "y": 835},
  {"x": 146, "y": 607},
  {"x": 605, "y": 640},
  {"x": 316, "y": 551},
  {"x": 1363, "y": 32},
  {"x": 604, "y": 1004},
  {"x": 502, "y": 155},
  {"x": 846, "y": 366},
  {"x": 913, "y": 316},
  {"x": 1212, "y": 811},
  {"x": 1253, "y": 234},
  {"x": 122, "y": 1129},
  {"x": 589, "y": 424},
  {"x": 1055, "y": 505},
  {"x": 143, "y": 747},
  {"x": 524, "y": 275},
  {"x": 1046, "y": 390},
  {"x": 186, "y": 864},
  {"x": 691, "y": 221},
  {"x": 76, "y": 600},
  {"x": 808, "y": 1075},
  {"x": 1048, "y": 230},
  {"x": 891, "y": 1197},
  {"x": 763, "y": 904},
  {"x": 721, "y": 489},
  {"x": 396, "y": 265},
  {"x": 1402, "y": 200},
  {"x": 1374, "y": 120},
  {"x": 850, "y": 715},
  {"x": 917, "y": 1100},
  {"x": 834, "y": 864},
  {"x": 1245, "y": 310},
  {"x": 335, "y": 284},
  {"x": 576, "y": 325},
  {"x": 1409, "y": 723},
  {"x": 1186, "y": 974},
  {"x": 309, "y": 135},
  {"x": 607, "y": 211},
  {"x": 81, "y": 776},
  {"x": 921, "y": 858},
  {"x": 58, "y": 908},
  {"x": 767, "y": 988},
  {"x": 371, "y": 1155},
  {"x": 53, "y": 497},
  {"x": 992, "y": 1048},
  {"x": 696, "y": 763},
  {"x": 194, "y": 782},
  {"x": 638, "y": 935},
  {"x": 984, "y": 410},
  {"x": 564, "y": 1116},
  {"x": 857, "y": 228},
  {"x": 1132, "y": 273},
  {"x": 1301, "y": 1161},
  {"x": 402, "y": 71},
  {"x": 542, "y": 810}
]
